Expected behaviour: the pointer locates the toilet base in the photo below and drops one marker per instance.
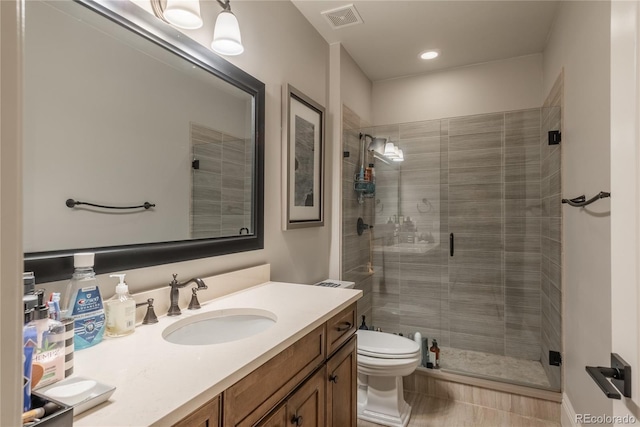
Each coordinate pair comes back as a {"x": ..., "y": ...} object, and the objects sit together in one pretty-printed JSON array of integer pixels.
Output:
[{"x": 381, "y": 401}]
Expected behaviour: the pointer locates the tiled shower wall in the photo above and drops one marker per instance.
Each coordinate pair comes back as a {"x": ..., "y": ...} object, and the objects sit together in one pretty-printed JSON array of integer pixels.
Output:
[
  {"x": 551, "y": 268},
  {"x": 355, "y": 249},
  {"x": 221, "y": 187}
]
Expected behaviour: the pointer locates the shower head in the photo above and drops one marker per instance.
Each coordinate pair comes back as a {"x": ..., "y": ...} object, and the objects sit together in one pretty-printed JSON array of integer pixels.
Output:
[{"x": 376, "y": 144}]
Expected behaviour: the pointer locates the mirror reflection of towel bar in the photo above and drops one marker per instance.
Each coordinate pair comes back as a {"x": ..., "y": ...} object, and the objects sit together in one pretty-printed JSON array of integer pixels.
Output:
[{"x": 73, "y": 203}]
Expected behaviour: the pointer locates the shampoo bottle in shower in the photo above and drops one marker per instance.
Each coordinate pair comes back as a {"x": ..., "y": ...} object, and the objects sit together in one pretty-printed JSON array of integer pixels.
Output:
[
  {"x": 417, "y": 337},
  {"x": 435, "y": 354}
]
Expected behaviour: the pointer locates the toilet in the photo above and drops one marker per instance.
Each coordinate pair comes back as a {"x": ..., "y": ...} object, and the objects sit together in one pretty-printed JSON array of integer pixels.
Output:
[{"x": 383, "y": 359}]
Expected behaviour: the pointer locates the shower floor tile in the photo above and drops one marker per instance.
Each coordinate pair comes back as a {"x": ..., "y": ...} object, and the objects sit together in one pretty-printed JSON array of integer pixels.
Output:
[{"x": 519, "y": 371}]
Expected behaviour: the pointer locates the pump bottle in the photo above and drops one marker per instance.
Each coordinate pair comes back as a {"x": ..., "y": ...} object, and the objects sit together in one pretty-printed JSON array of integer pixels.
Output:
[{"x": 120, "y": 310}]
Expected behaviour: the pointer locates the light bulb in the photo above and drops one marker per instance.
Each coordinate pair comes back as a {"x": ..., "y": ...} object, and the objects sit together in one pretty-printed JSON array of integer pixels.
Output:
[
  {"x": 183, "y": 14},
  {"x": 430, "y": 54},
  {"x": 226, "y": 35}
]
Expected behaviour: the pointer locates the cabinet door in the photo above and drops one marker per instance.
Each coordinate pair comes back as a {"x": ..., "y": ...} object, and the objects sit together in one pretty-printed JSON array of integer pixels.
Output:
[
  {"x": 306, "y": 406},
  {"x": 208, "y": 415},
  {"x": 276, "y": 419},
  {"x": 254, "y": 396},
  {"x": 342, "y": 371}
]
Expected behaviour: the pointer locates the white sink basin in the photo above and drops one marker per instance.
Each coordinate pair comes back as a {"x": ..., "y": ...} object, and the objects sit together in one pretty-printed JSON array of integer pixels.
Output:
[{"x": 220, "y": 326}]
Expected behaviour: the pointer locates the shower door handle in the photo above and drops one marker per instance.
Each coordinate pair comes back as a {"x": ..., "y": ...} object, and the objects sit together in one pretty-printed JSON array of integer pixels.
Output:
[{"x": 451, "y": 243}]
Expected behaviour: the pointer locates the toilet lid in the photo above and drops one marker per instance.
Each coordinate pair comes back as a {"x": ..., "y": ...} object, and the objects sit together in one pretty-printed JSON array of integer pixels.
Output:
[{"x": 384, "y": 345}]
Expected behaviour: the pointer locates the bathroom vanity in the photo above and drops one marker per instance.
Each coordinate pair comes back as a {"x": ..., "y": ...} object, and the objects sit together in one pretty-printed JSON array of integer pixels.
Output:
[{"x": 300, "y": 370}]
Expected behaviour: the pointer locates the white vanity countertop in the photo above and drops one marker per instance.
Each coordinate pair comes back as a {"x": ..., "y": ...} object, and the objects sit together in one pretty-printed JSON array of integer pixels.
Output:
[{"x": 158, "y": 383}]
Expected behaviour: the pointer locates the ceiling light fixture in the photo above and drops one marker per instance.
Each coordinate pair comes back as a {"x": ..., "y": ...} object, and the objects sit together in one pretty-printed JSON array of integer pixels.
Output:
[
  {"x": 226, "y": 34},
  {"x": 429, "y": 54},
  {"x": 183, "y": 14}
]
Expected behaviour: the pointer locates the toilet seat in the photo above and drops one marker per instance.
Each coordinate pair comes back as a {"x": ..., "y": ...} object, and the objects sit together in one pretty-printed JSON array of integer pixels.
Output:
[
  {"x": 383, "y": 345},
  {"x": 387, "y": 367}
]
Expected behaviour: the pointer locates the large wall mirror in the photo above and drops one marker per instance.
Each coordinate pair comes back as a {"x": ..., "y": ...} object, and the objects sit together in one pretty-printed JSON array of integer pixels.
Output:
[{"x": 122, "y": 109}]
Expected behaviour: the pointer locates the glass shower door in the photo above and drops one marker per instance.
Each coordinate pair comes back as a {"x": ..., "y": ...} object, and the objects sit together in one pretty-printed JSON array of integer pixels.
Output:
[{"x": 467, "y": 242}]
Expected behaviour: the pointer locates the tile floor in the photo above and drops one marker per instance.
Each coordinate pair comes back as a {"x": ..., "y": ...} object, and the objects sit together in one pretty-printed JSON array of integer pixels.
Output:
[{"x": 431, "y": 412}]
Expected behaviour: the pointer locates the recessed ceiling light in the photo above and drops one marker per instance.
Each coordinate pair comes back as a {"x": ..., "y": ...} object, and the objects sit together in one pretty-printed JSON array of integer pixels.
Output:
[{"x": 430, "y": 54}]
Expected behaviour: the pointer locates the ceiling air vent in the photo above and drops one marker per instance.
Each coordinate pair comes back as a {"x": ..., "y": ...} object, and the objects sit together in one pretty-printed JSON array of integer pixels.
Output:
[{"x": 343, "y": 16}]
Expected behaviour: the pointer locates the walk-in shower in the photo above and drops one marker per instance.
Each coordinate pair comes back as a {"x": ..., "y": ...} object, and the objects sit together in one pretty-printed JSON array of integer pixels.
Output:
[{"x": 465, "y": 247}]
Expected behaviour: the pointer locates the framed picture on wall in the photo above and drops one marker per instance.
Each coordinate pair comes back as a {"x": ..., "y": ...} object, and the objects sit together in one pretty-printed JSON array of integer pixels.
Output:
[{"x": 303, "y": 160}]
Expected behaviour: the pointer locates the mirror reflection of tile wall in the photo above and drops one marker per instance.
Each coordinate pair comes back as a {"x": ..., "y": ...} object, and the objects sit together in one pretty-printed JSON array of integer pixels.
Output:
[{"x": 221, "y": 185}]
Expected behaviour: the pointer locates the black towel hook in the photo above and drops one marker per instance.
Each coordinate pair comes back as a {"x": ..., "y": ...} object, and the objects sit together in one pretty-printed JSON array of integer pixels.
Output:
[{"x": 581, "y": 201}]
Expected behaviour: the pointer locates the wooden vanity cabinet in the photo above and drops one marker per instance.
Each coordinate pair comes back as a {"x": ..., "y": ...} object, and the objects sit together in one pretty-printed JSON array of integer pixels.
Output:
[
  {"x": 208, "y": 415},
  {"x": 246, "y": 402},
  {"x": 304, "y": 407},
  {"x": 312, "y": 383},
  {"x": 278, "y": 418},
  {"x": 342, "y": 386}
]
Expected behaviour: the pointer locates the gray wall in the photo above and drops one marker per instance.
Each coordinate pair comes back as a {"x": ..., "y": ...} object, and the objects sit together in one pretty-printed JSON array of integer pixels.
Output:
[{"x": 582, "y": 28}]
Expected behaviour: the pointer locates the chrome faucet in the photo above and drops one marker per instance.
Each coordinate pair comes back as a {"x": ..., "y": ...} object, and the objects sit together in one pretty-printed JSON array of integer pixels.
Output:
[{"x": 174, "y": 309}]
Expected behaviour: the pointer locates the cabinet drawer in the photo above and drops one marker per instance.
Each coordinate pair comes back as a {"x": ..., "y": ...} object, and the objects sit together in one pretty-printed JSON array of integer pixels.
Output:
[
  {"x": 340, "y": 328},
  {"x": 248, "y": 400}
]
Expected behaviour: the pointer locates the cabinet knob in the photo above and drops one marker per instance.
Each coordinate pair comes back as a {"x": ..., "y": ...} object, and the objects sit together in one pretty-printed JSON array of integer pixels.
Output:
[
  {"x": 296, "y": 420},
  {"x": 333, "y": 378}
]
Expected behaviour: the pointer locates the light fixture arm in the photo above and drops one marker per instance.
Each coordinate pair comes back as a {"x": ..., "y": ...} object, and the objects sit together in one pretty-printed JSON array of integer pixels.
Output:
[
  {"x": 226, "y": 5},
  {"x": 157, "y": 7}
]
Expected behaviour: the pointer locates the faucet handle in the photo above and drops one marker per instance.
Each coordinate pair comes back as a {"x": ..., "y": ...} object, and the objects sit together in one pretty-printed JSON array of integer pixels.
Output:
[
  {"x": 175, "y": 278},
  {"x": 194, "y": 304},
  {"x": 150, "y": 317}
]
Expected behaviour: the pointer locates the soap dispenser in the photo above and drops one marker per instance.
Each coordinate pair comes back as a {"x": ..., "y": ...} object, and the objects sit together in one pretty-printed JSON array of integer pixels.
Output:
[{"x": 120, "y": 310}]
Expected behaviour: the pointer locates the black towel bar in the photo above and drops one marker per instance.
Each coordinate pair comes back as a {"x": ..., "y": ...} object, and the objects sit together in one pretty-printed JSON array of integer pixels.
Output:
[{"x": 73, "y": 203}]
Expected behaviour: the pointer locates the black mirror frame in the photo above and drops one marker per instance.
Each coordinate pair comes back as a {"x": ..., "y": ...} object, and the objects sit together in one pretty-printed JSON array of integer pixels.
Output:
[{"x": 58, "y": 265}]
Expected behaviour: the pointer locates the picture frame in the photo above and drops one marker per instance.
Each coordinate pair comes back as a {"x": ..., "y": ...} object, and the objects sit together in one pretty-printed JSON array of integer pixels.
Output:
[{"x": 303, "y": 160}]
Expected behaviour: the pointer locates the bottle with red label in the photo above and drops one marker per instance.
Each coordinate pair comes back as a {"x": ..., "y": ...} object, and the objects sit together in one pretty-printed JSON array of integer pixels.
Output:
[{"x": 83, "y": 303}]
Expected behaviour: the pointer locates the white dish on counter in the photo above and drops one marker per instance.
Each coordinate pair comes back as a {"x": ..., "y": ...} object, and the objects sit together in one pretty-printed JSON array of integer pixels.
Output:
[{"x": 79, "y": 392}]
